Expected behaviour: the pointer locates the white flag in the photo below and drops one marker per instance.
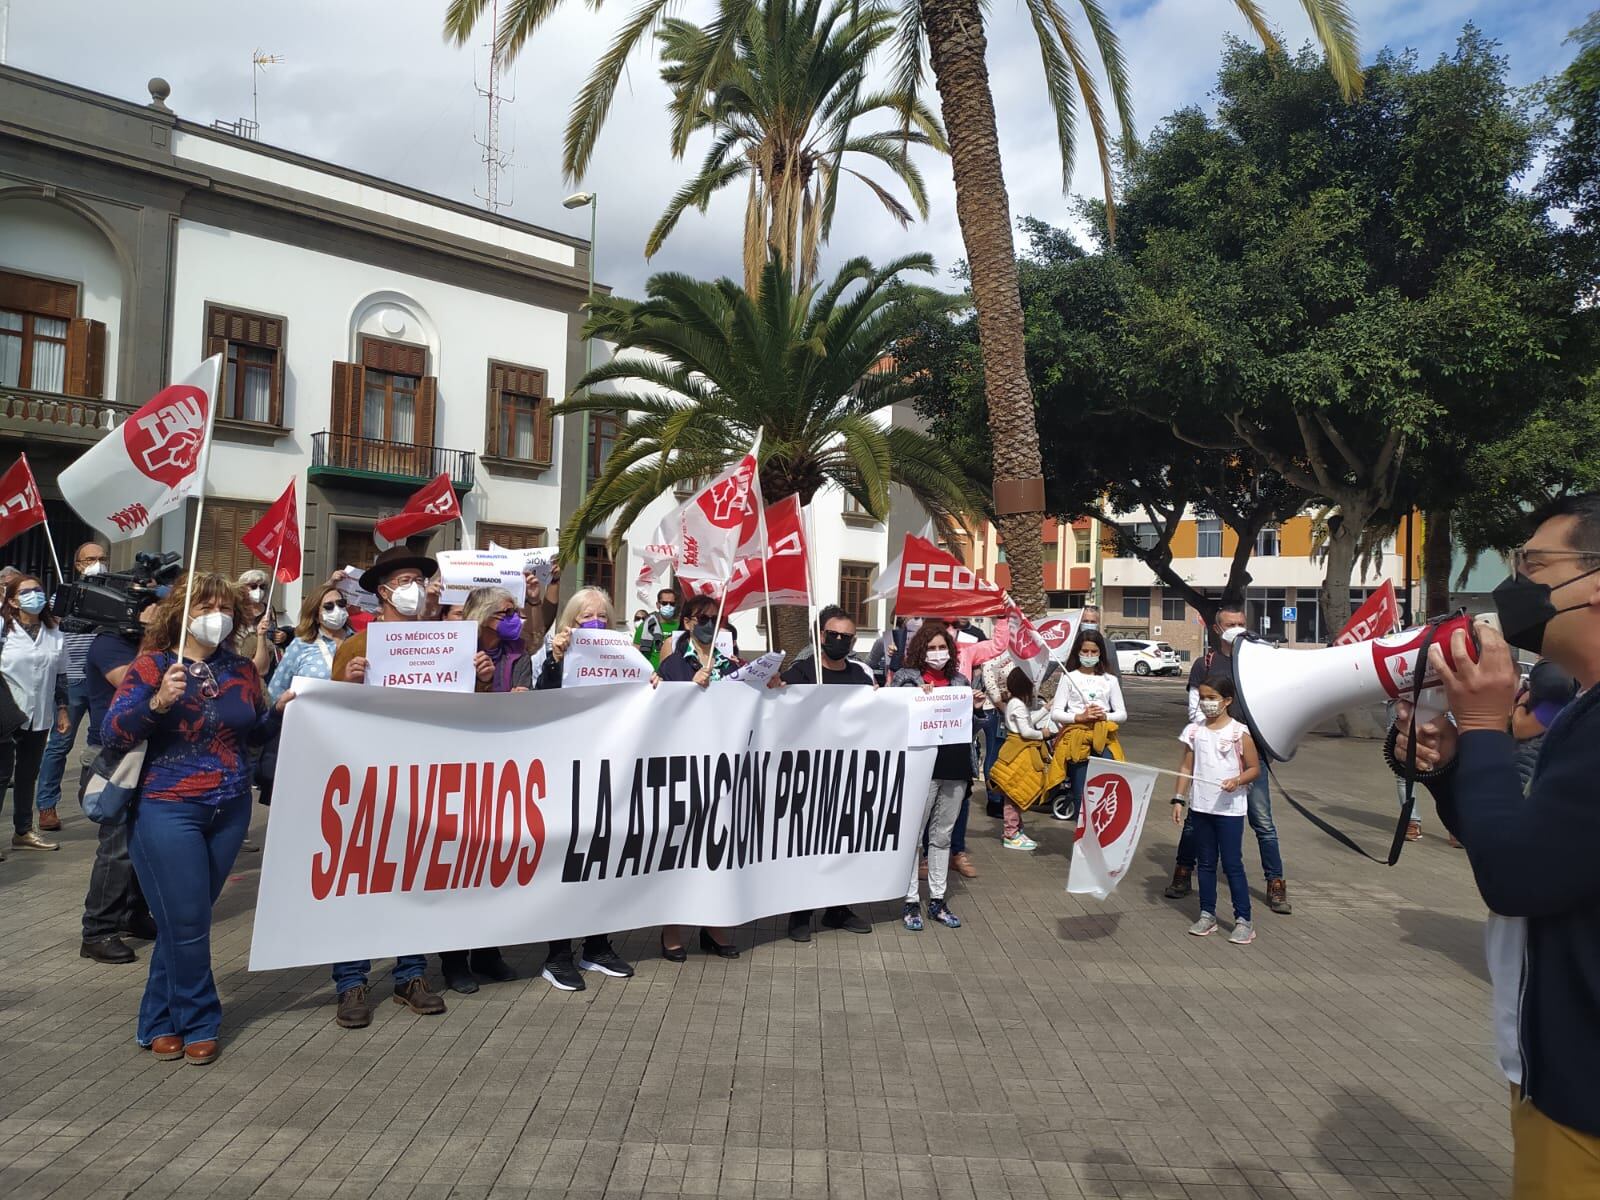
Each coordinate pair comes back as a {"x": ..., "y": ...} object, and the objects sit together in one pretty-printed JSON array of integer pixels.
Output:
[
  {"x": 149, "y": 464},
  {"x": 700, "y": 540},
  {"x": 1116, "y": 797}
]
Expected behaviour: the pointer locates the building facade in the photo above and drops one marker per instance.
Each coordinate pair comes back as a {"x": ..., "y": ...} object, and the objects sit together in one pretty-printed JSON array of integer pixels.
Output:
[{"x": 373, "y": 335}]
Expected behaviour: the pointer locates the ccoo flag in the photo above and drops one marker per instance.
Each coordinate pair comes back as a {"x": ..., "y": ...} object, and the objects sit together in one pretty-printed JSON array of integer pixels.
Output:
[
  {"x": 20, "y": 506},
  {"x": 433, "y": 504},
  {"x": 275, "y": 539},
  {"x": 149, "y": 464}
]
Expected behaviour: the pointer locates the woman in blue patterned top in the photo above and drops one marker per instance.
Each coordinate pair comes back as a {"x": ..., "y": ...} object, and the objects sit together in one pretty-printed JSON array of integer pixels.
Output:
[
  {"x": 199, "y": 719},
  {"x": 324, "y": 623}
]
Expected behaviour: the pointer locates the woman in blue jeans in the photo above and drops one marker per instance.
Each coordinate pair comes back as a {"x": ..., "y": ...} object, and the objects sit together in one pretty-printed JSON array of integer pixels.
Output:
[{"x": 198, "y": 719}]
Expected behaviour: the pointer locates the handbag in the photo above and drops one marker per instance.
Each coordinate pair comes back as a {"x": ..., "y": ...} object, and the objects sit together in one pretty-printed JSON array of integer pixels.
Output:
[{"x": 113, "y": 785}]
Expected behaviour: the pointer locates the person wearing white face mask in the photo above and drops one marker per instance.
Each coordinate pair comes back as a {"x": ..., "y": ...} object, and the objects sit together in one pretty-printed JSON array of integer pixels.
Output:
[
  {"x": 1228, "y": 627},
  {"x": 324, "y": 625},
  {"x": 89, "y": 563},
  {"x": 199, "y": 708},
  {"x": 399, "y": 580},
  {"x": 252, "y": 635},
  {"x": 1088, "y": 699},
  {"x": 34, "y": 667}
]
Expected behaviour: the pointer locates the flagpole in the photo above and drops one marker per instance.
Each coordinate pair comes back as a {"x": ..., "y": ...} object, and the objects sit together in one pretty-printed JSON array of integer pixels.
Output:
[
  {"x": 766, "y": 575},
  {"x": 199, "y": 508},
  {"x": 811, "y": 591},
  {"x": 272, "y": 583},
  {"x": 55, "y": 559}
]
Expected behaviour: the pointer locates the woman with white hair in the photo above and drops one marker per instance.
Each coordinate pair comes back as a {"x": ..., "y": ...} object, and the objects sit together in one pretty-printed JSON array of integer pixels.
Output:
[
  {"x": 254, "y": 641},
  {"x": 589, "y": 608}
]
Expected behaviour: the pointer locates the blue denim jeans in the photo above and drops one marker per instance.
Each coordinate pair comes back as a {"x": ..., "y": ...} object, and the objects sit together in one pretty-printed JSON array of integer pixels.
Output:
[
  {"x": 1221, "y": 837},
  {"x": 407, "y": 967},
  {"x": 183, "y": 851},
  {"x": 992, "y": 739},
  {"x": 1260, "y": 818},
  {"x": 54, "y": 763}
]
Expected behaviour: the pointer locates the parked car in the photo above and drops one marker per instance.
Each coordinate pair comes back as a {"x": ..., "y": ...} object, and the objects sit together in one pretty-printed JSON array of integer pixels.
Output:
[{"x": 1147, "y": 658}]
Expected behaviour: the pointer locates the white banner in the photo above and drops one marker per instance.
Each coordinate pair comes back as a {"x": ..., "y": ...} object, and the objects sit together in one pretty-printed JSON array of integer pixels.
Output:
[
  {"x": 603, "y": 656},
  {"x": 434, "y": 656},
  {"x": 941, "y": 717},
  {"x": 1116, "y": 799},
  {"x": 462, "y": 571},
  {"x": 429, "y": 822},
  {"x": 541, "y": 560}
]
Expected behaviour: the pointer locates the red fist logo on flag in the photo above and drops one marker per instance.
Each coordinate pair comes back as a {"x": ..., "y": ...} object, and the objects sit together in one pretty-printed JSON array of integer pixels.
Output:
[
  {"x": 726, "y": 503},
  {"x": 1110, "y": 807},
  {"x": 165, "y": 444}
]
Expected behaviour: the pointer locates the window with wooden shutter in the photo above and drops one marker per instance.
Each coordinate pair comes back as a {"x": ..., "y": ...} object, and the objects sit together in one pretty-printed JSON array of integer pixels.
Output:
[
  {"x": 344, "y": 415},
  {"x": 222, "y": 524},
  {"x": 511, "y": 537},
  {"x": 855, "y": 585},
  {"x": 598, "y": 568},
  {"x": 86, "y": 358},
  {"x": 252, "y": 346},
  {"x": 35, "y": 316},
  {"x": 520, "y": 426}
]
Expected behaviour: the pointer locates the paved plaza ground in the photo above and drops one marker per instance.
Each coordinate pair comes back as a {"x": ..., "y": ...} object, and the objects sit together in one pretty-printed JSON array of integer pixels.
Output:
[{"x": 1054, "y": 1046}]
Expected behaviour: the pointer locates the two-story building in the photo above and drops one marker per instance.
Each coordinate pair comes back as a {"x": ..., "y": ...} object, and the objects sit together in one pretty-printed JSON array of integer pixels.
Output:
[{"x": 373, "y": 335}]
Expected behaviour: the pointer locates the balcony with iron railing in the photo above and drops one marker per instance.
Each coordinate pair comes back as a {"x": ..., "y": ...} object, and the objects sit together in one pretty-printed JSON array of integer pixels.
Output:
[
  {"x": 26, "y": 414},
  {"x": 380, "y": 465}
]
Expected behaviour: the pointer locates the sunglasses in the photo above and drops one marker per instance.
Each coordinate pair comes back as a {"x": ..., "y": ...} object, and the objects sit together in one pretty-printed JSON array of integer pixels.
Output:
[
  {"x": 332, "y": 605},
  {"x": 208, "y": 682}
]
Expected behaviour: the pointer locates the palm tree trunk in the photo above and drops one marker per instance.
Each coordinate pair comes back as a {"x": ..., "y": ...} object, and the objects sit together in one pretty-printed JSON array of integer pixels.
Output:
[
  {"x": 1436, "y": 562},
  {"x": 793, "y": 630},
  {"x": 956, "y": 45}
]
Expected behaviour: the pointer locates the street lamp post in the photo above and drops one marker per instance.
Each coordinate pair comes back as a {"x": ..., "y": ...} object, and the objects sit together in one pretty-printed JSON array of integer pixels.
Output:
[{"x": 590, "y": 201}]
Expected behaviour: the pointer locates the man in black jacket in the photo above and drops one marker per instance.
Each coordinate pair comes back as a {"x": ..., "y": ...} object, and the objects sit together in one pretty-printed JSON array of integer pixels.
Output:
[{"x": 1534, "y": 856}]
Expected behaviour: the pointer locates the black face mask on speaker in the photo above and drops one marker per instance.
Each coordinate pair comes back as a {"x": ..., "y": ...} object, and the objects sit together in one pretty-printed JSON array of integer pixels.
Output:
[{"x": 1525, "y": 608}]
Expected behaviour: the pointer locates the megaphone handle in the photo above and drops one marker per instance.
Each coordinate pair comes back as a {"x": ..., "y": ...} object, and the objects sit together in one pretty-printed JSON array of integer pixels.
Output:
[{"x": 1430, "y": 704}]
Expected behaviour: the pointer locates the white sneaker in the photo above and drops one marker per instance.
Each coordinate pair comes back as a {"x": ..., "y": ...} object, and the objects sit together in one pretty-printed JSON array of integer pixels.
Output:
[
  {"x": 1243, "y": 933},
  {"x": 1205, "y": 926},
  {"x": 1020, "y": 841}
]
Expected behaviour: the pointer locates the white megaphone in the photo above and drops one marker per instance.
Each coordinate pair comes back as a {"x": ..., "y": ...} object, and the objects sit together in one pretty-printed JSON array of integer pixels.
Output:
[{"x": 1281, "y": 694}]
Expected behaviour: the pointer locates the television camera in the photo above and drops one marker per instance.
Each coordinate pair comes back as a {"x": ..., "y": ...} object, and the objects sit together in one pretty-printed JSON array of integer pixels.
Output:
[{"x": 114, "y": 602}]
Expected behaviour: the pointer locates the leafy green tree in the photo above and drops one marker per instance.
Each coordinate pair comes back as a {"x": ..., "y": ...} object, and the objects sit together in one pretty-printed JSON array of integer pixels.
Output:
[
  {"x": 702, "y": 367},
  {"x": 950, "y": 35},
  {"x": 782, "y": 113},
  {"x": 1571, "y": 181}
]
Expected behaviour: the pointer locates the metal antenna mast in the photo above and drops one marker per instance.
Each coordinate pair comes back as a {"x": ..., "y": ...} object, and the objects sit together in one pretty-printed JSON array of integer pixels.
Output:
[
  {"x": 259, "y": 62},
  {"x": 495, "y": 161}
]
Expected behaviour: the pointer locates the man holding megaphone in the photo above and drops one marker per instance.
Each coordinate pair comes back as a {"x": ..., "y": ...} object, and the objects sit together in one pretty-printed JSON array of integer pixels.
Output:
[{"x": 1536, "y": 855}]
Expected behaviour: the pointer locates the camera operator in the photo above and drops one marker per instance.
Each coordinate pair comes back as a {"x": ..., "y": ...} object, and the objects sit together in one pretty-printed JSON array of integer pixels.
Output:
[
  {"x": 114, "y": 906},
  {"x": 1534, "y": 855},
  {"x": 88, "y": 563}
]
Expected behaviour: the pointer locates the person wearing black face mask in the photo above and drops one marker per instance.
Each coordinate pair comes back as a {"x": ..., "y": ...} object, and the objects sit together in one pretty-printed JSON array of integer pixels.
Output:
[
  {"x": 1533, "y": 852},
  {"x": 695, "y": 657},
  {"x": 838, "y": 637}
]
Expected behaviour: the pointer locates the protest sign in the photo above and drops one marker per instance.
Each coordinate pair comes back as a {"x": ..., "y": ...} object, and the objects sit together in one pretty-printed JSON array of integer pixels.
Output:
[
  {"x": 1116, "y": 797},
  {"x": 603, "y": 656},
  {"x": 461, "y": 571},
  {"x": 433, "y": 656},
  {"x": 541, "y": 560},
  {"x": 504, "y": 820},
  {"x": 759, "y": 673},
  {"x": 941, "y": 717}
]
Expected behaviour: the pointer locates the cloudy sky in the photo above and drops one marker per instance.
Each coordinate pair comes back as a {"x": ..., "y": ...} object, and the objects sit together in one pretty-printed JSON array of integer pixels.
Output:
[{"x": 375, "y": 87}]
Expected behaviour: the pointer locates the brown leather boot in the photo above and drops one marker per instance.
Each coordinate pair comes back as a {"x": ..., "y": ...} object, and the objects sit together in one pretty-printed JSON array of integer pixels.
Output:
[
  {"x": 1182, "y": 883},
  {"x": 1278, "y": 897},
  {"x": 419, "y": 998},
  {"x": 355, "y": 1012},
  {"x": 961, "y": 864}
]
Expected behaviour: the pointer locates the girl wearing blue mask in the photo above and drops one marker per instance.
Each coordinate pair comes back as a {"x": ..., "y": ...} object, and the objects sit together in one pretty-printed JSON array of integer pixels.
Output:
[{"x": 34, "y": 667}]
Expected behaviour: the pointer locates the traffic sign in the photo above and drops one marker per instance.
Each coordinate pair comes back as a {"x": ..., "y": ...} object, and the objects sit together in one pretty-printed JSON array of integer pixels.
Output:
[{"x": 1290, "y": 613}]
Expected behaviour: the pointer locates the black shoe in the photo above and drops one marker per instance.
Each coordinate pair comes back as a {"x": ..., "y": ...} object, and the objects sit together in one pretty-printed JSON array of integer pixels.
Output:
[
  {"x": 673, "y": 953},
  {"x": 1182, "y": 881},
  {"x": 563, "y": 973},
  {"x": 607, "y": 961},
  {"x": 800, "y": 931},
  {"x": 111, "y": 951},
  {"x": 141, "y": 925},
  {"x": 492, "y": 966},
  {"x": 846, "y": 919},
  {"x": 459, "y": 979},
  {"x": 711, "y": 946}
]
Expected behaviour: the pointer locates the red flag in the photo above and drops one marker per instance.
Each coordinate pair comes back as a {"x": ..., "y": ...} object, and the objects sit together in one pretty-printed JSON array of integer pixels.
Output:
[
  {"x": 1017, "y": 634},
  {"x": 433, "y": 505},
  {"x": 20, "y": 506},
  {"x": 1378, "y": 617},
  {"x": 275, "y": 539},
  {"x": 934, "y": 583},
  {"x": 778, "y": 575}
]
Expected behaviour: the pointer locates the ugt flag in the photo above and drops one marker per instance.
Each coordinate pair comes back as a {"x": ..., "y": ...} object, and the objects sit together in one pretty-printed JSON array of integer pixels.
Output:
[
  {"x": 149, "y": 464},
  {"x": 433, "y": 504},
  {"x": 701, "y": 540},
  {"x": 1378, "y": 617},
  {"x": 275, "y": 539},
  {"x": 20, "y": 506},
  {"x": 1027, "y": 645},
  {"x": 1116, "y": 797}
]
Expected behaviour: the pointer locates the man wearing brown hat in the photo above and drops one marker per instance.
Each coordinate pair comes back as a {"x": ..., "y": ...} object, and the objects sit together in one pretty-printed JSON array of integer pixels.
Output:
[{"x": 399, "y": 579}]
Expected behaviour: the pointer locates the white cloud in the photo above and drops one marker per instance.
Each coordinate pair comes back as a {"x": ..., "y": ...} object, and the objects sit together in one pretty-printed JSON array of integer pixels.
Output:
[{"x": 376, "y": 88}]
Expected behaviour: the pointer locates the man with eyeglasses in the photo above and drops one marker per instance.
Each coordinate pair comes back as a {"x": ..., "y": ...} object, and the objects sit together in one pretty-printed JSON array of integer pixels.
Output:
[
  {"x": 89, "y": 562},
  {"x": 399, "y": 579},
  {"x": 1533, "y": 852}
]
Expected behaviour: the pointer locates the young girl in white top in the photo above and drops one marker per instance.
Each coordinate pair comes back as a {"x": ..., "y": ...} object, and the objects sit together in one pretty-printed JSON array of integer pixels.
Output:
[
  {"x": 1025, "y": 718},
  {"x": 1219, "y": 762},
  {"x": 1088, "y": 694}
]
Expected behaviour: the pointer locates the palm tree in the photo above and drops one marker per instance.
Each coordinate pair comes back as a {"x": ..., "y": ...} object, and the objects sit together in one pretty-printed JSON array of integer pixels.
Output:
[
  {"x": 781, "y": 112},
  {"x": 702, "y": 366},
  {"x": 950, "y": 34}
]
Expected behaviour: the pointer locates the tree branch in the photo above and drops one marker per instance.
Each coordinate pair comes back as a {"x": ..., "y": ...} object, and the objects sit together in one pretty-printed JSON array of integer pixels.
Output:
[{"x": 1357, "y": 466}]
